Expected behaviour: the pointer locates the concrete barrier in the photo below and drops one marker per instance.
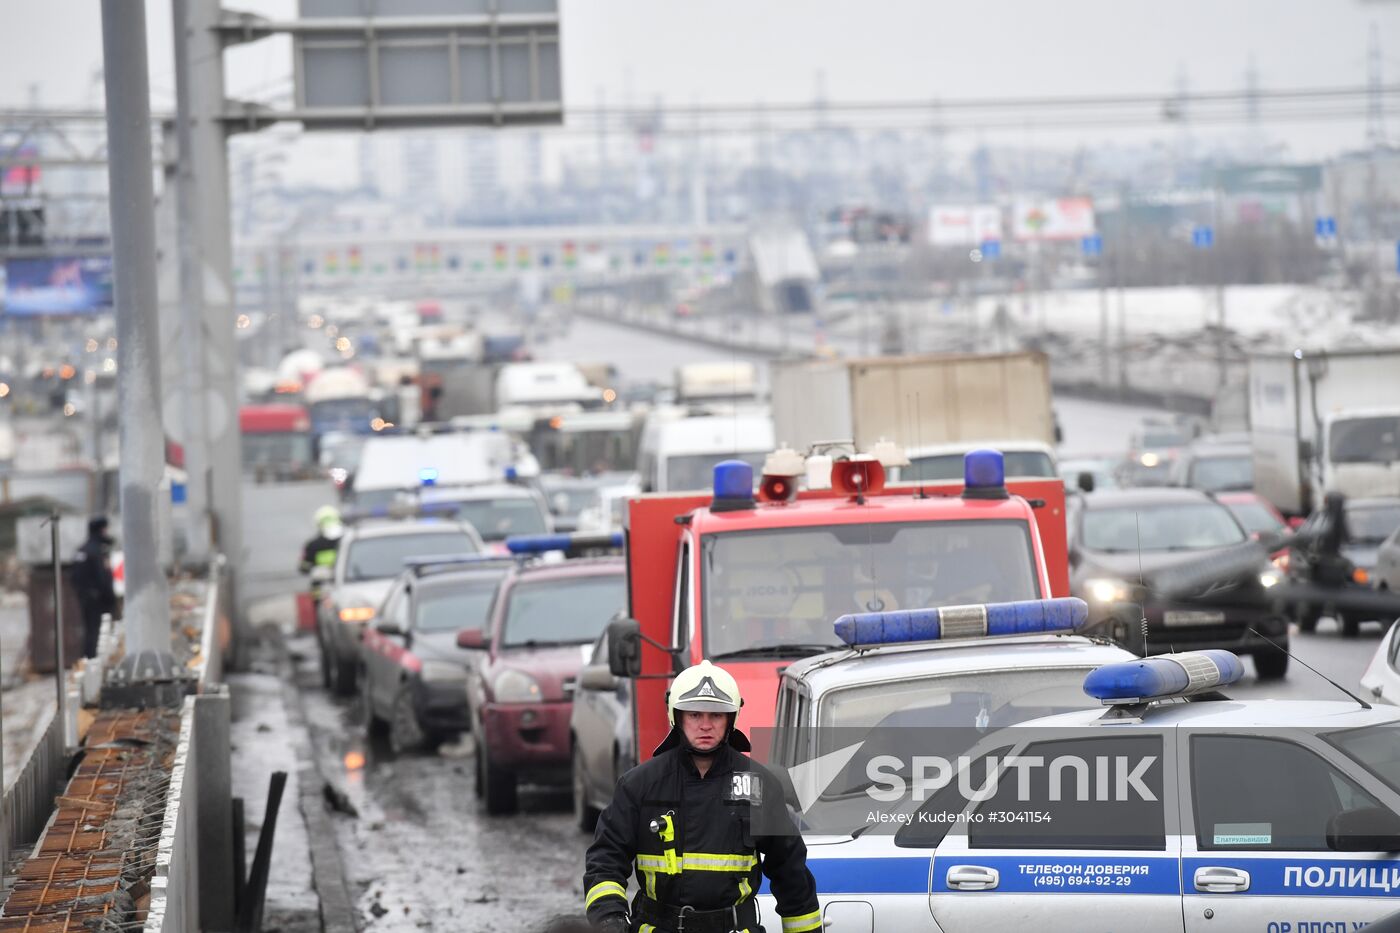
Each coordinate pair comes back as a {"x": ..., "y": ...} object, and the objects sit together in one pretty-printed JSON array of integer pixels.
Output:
[
  {"x": 174, "y": 905},
  {"x": 28, "y": 802}
]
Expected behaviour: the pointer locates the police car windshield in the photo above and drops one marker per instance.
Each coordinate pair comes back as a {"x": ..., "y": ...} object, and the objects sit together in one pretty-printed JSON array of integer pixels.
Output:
[
  {"x": 456, "y": 606},
  {"x": 785, "y": 586},
  {"x": 497, "y": 519},
  {"x": 382, "y": 557},
  {"x": 950, "y": 466},
  {"x": 1374, "y": 747},
  {"x": 562, "y": 612},
  {"x": 1166, "y": 526},
  {"x": 939, "y": 712}
]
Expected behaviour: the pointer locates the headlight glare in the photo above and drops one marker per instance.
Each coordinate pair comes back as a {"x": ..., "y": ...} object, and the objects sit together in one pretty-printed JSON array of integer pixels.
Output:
[
  {"x": 512, "y": 686},
  {"x": 1105, "y": 590}
]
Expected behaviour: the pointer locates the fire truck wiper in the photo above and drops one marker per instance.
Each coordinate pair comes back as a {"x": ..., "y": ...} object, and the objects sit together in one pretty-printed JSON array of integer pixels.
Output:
[{"x": 789, "y": 650}]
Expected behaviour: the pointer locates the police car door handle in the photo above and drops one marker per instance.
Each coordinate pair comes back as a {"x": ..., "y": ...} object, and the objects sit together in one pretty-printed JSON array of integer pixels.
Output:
[
  {"x": 973, "y": 878},
  {"x": 1219, "y": 880}
]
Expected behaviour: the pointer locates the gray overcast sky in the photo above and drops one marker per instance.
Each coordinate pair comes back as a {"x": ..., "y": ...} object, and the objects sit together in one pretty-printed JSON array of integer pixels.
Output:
[{"x": 771, "y": 50}]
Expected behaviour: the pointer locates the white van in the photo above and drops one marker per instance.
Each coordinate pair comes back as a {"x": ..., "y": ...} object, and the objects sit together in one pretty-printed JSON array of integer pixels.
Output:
[{"x": 680, "y": 453}]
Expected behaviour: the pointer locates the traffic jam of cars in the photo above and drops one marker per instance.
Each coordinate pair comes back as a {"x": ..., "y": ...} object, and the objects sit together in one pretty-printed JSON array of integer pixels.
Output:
[{"x": 903, "y": 624}]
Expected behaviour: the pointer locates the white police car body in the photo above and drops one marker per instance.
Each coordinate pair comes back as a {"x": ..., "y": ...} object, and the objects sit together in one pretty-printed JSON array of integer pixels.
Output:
[
  {"x": 936, "y": 669},
  {"x": 1207, "y": 815}
]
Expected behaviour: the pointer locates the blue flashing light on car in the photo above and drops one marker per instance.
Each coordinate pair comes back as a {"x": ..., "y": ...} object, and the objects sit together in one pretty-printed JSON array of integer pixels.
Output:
[
  {"x": 541, "y": 544},
  {"x": 1164, "y": 677},
  {"x": 1027, "y": 617},
  {"x": 733, "y": 486},
  {"x": 428, "y": 476},
  {"x": 984, "y": 475}
]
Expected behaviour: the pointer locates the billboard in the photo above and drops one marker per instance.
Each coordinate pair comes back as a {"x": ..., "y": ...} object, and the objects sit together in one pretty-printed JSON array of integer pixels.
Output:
[
  {"x": 964, "y": 225},
  {"x": 58, "y": 285},
  {"x": 1053, "y": 219}
]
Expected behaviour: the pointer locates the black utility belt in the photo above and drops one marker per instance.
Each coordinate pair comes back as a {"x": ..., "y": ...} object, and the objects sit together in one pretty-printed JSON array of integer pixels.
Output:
[{"x": 689, "y": 920}]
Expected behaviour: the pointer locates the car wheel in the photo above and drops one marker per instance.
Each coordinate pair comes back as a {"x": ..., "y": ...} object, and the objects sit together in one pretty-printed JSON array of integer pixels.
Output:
[
  {"x": 496, "y": 786},
  {"x": 478, "y": 779},
  {"x": 1271, "y": 663},
  {"x": 405, "y": 734},
  {"x": 1307, "y": 617},
  {"x": 374, "y": 724},
  {"x": 585, "y": 816},
  {"x": 345, "y": 671},
  {"x": 325, "y": 661}
]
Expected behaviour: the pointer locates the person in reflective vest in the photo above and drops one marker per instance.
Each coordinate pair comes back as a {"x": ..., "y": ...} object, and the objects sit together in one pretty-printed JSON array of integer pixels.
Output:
[
  {"x": 320, "y": 551},
  {"x": 699, "y": 825}
]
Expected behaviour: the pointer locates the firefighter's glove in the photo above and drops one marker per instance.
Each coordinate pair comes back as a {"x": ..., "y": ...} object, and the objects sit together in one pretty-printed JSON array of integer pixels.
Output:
[{"x": 617, "y": 923}]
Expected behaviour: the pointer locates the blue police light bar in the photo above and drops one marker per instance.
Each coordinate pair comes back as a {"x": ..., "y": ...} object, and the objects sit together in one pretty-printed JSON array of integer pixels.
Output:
[
  {"x": 984, "y": 475},
  {"x": 540, "y": 544},
  {"x": 1164, "y": 677},
  {"x": 1029, "y": 617},
  {"x": 428, "y": 476}
]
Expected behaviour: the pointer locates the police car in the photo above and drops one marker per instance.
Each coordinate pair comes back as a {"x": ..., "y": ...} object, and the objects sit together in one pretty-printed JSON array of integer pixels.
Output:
[{"x": 1169, "y": 807}]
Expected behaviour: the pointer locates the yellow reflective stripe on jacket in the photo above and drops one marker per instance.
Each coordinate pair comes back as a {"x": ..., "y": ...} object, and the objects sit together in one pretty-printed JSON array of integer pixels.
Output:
[
  {"x": 803, "y": 923},
  {"x": 670, "y": 864},
  {"x": 745, "y": 889},
  {"x": 646, "y": 928},
  {"x": 604, "y": 889},
  {"x": 650, "y": 878},
  {"x": 667, "y": 864},
  {"x": 705, "y": 861}
]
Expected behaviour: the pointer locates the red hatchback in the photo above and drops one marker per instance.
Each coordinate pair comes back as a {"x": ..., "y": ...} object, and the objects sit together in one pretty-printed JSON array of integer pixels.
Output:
[{"x": 543, "y": 623}]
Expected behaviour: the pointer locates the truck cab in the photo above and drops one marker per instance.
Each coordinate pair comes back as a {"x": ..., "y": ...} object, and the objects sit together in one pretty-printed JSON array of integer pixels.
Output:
[{"x": 755, "y": 585}]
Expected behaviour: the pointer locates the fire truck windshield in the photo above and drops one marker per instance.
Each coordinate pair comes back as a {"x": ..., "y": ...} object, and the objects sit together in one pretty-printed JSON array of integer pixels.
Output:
[{"x": 776, "y": 592}]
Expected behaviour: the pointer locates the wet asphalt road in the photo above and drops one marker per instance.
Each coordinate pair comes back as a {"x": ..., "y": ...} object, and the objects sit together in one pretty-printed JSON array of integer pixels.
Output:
[{"x": 421, "y": 853}]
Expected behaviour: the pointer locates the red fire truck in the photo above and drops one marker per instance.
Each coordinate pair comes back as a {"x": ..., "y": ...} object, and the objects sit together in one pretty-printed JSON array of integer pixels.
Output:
[
  {"x": 277, "y": 442},
  {"x": 753, "y": 583}
]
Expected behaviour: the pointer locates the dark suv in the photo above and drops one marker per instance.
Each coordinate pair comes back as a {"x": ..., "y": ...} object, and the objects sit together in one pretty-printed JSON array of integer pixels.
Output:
[{"x": 1126, "y": 548}]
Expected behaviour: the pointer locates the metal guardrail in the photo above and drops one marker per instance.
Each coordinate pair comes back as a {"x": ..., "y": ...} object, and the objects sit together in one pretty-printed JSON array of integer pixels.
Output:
[
  {"x": 174, "y": 905},
  {"x": 28, "y": 802}
]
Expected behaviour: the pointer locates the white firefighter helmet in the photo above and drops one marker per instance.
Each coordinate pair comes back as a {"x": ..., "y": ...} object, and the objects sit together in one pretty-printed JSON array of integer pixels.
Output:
[{"x": 703, "y": 688}]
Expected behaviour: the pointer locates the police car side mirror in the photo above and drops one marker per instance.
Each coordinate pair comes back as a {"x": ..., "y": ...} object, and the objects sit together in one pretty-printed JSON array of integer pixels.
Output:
[
  {"x": 1365, "y": 829},
  {"x": 473, "y": 639},
  {"x": 625, "y": 648}
]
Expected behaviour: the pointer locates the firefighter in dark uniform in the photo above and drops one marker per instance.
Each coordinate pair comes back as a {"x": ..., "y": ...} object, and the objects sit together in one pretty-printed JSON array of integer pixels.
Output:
[
  {"x": 320, "y": 551},
  {"x": 700, "y": 824}
]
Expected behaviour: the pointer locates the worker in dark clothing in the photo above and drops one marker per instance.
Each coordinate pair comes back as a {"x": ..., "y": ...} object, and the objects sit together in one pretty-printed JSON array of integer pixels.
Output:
[
  {"x": 321, "y": 550},
  {"x": 700, "y": 824},
  {"x": 92, "y": 579}
]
